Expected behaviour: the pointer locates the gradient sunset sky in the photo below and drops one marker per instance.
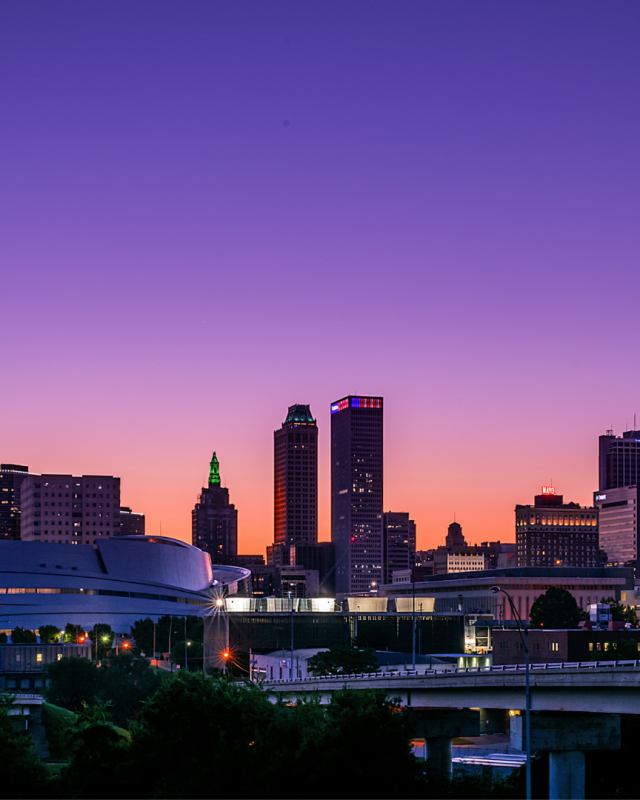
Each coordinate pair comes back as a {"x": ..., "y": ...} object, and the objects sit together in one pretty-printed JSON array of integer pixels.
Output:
[{"x": 213, "y": 210}]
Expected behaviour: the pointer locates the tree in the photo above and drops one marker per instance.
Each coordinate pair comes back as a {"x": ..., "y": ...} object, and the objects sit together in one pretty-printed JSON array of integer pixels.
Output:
[
  {"x": 125, "y": 683},
  {"x": 194, "y": 655},
  {"x": 49, "y": 634},
  {"x": 3, "y": 638},
  {"x": 103, "y": 634},
  {"x": 22, "y": 773},
  {"x": 343, "y": 660},
  {"x": 72, "y": 682},
  {"x": 23, "y": 636},
  {"x": 556, "y": 608},
  {"x": 74, "y": 634},
  {"x": 219, "y": 732},
  {"x": 622, "y": 613},
  {"x": 143, "y": 632}
]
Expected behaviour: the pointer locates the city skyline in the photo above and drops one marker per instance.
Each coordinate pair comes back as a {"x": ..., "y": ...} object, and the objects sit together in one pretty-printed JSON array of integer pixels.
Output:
[{"x": 210, "y": 215}]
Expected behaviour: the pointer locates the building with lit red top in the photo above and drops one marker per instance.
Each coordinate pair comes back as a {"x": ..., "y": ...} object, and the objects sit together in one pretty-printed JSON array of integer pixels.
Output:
[
  {"x": 357, "y": 494},
  {"x": 551, "y": 533},
  {"x": 295, "y": 521}
]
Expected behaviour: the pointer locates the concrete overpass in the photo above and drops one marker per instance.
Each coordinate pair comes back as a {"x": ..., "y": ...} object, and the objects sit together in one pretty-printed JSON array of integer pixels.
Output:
[
  {"x": 602, "y": 687},
  {"x": 575, "y": 707}
]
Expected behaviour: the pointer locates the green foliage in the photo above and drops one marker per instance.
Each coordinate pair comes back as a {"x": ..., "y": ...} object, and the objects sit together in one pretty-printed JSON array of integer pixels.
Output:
[
  {"x": 97, "y": 766},
  {"x": 343, "y": 660},
  {"x": 195, "y": 654},
  {"x": 23, "y": 775},
  {"x": 23, "y": 636},
  {"x": 216, "y": 730},
  {"x": 142, "y": 632},
  {"x": 125, "y": 682},
  {"x": 556, "y": 608},
  {"x": 621, "y": 613},
  {"x": 104, "y": 635},
  {"x": 622, "y": 650},
  {"x": 72, "y": 682},
  {"x": 73, "y": 633},
  {"x": 49, "y": 634},
  {"x": 58, "y": 722}
]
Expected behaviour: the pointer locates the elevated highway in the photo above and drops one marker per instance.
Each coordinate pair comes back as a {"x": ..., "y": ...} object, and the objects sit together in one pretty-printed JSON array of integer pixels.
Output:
[{"x": 601, "y": 687}]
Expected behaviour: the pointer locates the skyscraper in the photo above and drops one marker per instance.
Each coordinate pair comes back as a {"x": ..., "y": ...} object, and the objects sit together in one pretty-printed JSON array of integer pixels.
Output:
[
  {"x": 214, "y": 520},
  {"x": 131, "y": 522},
  {"x": 11, "y": 477},
  {"x": 552, "y": 533},
  {"x": 295, "y": 481},
  {"x": 69, "y": 509},
  {"x": 356, "y": 493},
  {"x": 399, "y": 542},
  {"x": 619, "y": 460},
  {"x": 617, "y": 496}
]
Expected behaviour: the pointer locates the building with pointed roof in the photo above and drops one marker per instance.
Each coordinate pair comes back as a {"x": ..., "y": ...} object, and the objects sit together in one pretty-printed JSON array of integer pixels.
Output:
[
  {"x": 214, "y": 520},
  {"x": 295, "y": 483}
]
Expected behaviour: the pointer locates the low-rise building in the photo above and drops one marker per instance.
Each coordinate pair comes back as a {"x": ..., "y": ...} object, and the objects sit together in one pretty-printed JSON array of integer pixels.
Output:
[
  {"x": 22, "y": 665},
  {"x": 551, "y": 533},
  {"x": 470, "y": 592},
  {"x": 547, "y": 646}
]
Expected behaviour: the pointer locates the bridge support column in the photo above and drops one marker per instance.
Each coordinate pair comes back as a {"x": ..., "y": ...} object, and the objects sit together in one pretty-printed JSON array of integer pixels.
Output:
[
  {"x": 439, "y": 755},
  {"x": 567, "y": 737},
  {"x": 438, "y": 726},
  {"x": 566, "y": 775}
]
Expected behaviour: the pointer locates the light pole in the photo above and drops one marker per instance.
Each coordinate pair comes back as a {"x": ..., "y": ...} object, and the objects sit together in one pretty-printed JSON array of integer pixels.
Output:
[
  {"x": 527, "y": 712},
  {"x": 291, "y": 662},
  {"x": 186, "y": 657},
  {"x": 412, "y": 556},
  {"x": 225, "y": 655}
]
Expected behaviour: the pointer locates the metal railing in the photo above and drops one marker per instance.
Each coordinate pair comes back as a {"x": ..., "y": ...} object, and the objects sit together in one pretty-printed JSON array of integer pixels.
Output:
[{"x": 559, "y": 665}]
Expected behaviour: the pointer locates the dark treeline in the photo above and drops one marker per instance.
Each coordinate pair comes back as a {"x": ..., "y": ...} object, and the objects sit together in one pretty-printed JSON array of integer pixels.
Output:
[{"x": 137, "y": 732}]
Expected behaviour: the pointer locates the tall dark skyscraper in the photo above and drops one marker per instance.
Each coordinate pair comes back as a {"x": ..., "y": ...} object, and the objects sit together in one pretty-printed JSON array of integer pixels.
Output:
[
  {"x": 619, "y": 462},
  {"x": 399, "y": 542},
  {"x": 296, "y": 480},
  {"x": 11, "y": 477},
  {"x": 356, "y": 493},
  {"x": 617, "y": 496},
  {"x": 214, "y": 520}
]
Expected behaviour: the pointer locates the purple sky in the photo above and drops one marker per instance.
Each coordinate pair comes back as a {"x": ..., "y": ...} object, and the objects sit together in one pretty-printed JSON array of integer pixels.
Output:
[{"x": 213, "y": 210}]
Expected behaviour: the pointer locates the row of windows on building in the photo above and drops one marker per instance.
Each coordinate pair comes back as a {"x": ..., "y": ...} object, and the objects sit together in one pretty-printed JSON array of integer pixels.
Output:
[
  {"x": 585, "y": 520},
  {"x": 103, "y": 592}
]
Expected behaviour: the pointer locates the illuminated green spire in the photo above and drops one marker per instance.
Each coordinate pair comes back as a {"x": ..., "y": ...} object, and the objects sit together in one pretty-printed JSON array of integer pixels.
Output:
[{"x": 214, "y": 472}]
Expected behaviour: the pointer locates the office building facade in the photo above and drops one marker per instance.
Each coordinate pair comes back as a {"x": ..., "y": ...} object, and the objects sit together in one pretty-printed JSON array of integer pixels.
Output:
[
  {"x": 70, "y": 509},
  {"x": 214, "y": 520},
  {"x": 618, "y": 518},
  {"x": 11, "y": 477},
  {"x": 295, "y": 481},
  {"x": 617, "y": 496},
  {"x": 399, "y": 542},
  {"x": 320, "y": 556},
  {"x": 619, "y": 460},
  {"x": 131, "y": 523},
  {"x": 357, "y": 493},
  {"x": 551, "y": 533}
]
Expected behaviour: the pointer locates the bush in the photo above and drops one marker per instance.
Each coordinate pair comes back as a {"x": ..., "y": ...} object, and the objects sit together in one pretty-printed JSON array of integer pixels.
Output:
[
  {"x": 23, "y": 636},
  {"x": 58, "y": 722},
  {"x": 49, "y": 634},
  {"x": 72, "y": 683}
]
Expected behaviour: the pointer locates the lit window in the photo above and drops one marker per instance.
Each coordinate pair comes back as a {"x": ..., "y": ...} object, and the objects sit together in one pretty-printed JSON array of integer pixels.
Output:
[{"x": 38, "y": 656}]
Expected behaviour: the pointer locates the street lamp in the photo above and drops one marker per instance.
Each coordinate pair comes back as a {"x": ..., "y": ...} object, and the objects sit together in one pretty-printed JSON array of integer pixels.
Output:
[
  {"x": 412, "y": 556},
  {"x": 291, "y": 662},
  {"x": 525, "y": 643}
]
